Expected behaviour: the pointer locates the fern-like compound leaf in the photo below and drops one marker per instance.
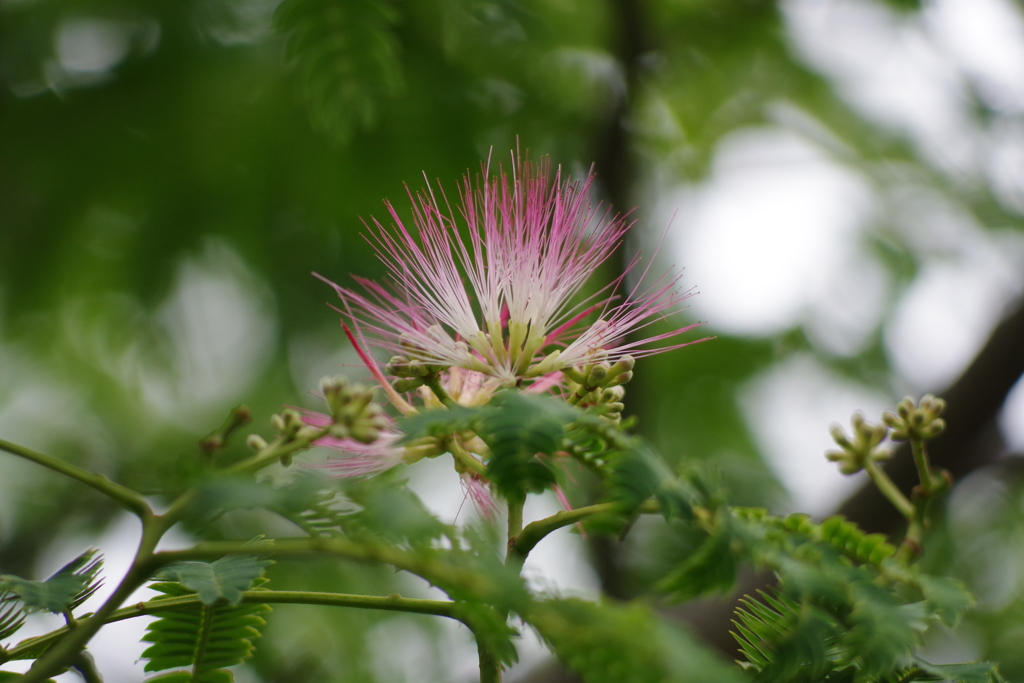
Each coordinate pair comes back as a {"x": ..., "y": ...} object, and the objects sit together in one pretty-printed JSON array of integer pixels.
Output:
[
  {"x": 625, "y": 644},
  {"x": 12, "y": 615},
  {"x": 345, "y": 55},
  {"x": 207, "y": 638},
  {"x": 223, "y": 579},
  {"x": 68, "y": 588}
]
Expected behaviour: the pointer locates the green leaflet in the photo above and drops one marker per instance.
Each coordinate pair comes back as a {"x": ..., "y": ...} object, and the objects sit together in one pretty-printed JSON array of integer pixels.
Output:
[
  {"x": 12, "y": 615},
  {"x": 625, "y": 644},
  {"x": 223, "y": 579},
  {"x": 947, "y": 598},
  {"x": 517, "y": 428},
  {"x": 490, "y": 628},
  {"x": 785, "y": 641},
  {"x": 345, "y": 55},
  {"x": 65, "y": 590},
  {"x": 206, "y": 638},
  {"x": 710, "y": 568}
]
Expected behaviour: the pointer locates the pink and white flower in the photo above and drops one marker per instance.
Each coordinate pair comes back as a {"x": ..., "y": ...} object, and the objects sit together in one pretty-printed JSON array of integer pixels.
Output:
[
  {"x": 503, "y": 302},
  {"x": 360, "y": 459}
]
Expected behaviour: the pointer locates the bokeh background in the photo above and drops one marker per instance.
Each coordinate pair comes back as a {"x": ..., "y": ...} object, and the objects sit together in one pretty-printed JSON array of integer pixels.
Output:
[{"x": 841, "y": 180}]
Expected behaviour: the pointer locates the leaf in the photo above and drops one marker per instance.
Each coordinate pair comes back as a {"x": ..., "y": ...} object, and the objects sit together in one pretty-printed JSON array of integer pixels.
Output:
[
  {"x": 517, "y": 428},
  {"x": 625, "y": 644},
  {"x": 439, "y": 423},
  {"x": 491, "y": 629},
  {"x": 12, "y": 615},
  {"x": 391, "y": 511},
  {"x": 710, "y": 568},
  {"x": 223, "y": 579},
  {"x": 944, "y": 597},
  {"x": 205, "y": 637},
  {"x": 346, "y": 58},
  {"x": 172, "y": 677},
  {"x": 65, "y": 590},
  {"x": 783, "y": 640}
]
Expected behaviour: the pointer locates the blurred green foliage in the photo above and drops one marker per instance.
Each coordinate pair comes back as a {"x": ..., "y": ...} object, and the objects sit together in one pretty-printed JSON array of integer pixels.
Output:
[{"x": 171, "y": 172}]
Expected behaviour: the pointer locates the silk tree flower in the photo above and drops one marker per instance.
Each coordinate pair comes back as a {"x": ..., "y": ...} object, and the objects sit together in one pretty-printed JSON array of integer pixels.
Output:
[{"x": 502, "y": 301}]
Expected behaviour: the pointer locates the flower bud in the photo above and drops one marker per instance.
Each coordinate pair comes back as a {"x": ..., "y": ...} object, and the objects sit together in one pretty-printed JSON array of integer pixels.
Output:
[
  {"x": 575, "y": 374},
  {"x": 397, "y": 366},
  {"x": 256, "y": 442},
  {"x": 364, "y": 432},
  {"x": 839, "y": 436},
  {"x": 612, "y": 394},
  {"x": 622, "y": 378},
  {"x": 406, "y": 384},
  {"x": 905, "y": 407},
  {"x": 551, "y": 363},
  {"x": 597, "y": 374}
]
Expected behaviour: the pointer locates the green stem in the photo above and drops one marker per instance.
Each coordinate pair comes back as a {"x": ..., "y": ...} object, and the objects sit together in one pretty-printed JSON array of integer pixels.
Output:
[
  {"x": 535, "y": 532},
  {"x": 85, "y": 665},
  {"x": 464, "y": 457},
  {"x": 130, "y": 500},
  {"x": 274, "y": 451},
  {"x": 218, "y": 438},
  {"x": 434, "y": 383},
  {"x": 433, "y": 569},
  {"x": 390, "y": 603},
  {"x": 515, "y": 518},
  {"x": 204, "y": 637},
  {"x": 490, "y": 667},
  {"x": 890, "y": 490},
  {"x": 924, "y": 471}
]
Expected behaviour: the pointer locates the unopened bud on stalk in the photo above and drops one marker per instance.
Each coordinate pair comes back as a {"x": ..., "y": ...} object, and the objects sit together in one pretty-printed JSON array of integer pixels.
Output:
[
  {"x": 624, "y": 364},
  {"x": 597, "y": 374},
  {"x": 621, "y": 378},
  {"x": 863, "y": 448},
  {"x": 256, "y": 442},
  {"x": 406, "y": 384},
  {"x": 612, "y": 394},
  {"x": 551, "y": 363},
  {"x": 916, "y": 422},
  {"x": 575, "y": 374}
]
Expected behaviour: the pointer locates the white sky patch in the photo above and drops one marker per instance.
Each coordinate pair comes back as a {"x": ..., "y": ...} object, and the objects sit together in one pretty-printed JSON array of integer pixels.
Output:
[
  {"x": 986, "y": 38},
  {"x": 888, "y": 65},
  {"x": 942, "y": 321},
  {"x": 771, "y": 240},
  {"x": 967, "y": 278},
  {"x": 790, "y": 408}
]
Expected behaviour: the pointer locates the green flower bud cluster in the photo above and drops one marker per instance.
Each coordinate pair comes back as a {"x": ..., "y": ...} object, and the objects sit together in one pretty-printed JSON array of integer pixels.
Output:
[
  {"x": 600, "y": 384},
  {"x": 916, "y": 421},
  {"x": 352, "y": 407},
  {"x": 411, "y": 374},
  {"x": 288, "y": 423},
  {"x": 863, "y": 449}
]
